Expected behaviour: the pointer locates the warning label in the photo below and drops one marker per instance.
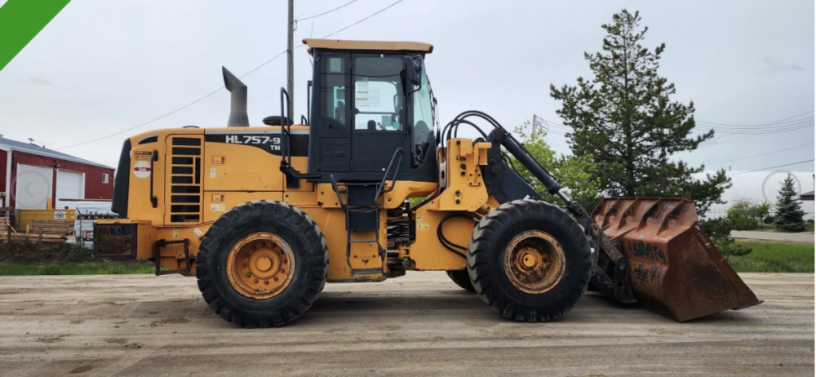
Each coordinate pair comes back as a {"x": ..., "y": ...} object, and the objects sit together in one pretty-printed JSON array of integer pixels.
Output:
[{"x": 141, "y": 169}]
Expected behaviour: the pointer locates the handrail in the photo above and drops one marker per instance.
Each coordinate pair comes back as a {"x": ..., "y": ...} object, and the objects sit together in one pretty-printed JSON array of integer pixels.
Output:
[
  {"x": 385, "y": 176},
  {"x": 337, "y": 191},
  {"x": 153, "y": 200},
  {"x": 286, "y": 130}
]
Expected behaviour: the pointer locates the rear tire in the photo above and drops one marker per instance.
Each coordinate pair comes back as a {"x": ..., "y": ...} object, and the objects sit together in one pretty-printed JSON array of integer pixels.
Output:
[
  {"x": 462, "y": 279},
  {"x": 298, "y": 263},
  {"x": 529, "y": 260}
]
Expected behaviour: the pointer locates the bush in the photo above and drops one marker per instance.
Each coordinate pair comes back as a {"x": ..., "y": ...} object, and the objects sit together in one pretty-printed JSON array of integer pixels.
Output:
[
  {"x": 719, "y": 230},
  {"x": 744, "y": 223},
  {"x": 31, "y": 251},
  {"x": 768, "y": 220},
  {"x": 743, "y": 215}
]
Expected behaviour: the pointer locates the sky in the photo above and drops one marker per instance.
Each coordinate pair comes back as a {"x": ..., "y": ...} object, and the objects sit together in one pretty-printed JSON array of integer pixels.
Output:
[{"x": 104, "y": 67}]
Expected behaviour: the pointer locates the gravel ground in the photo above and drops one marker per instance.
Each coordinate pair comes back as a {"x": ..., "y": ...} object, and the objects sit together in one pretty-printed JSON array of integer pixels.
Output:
[
  {"x": 804, "y": 237},
  {"x": 420, "y": 324}
]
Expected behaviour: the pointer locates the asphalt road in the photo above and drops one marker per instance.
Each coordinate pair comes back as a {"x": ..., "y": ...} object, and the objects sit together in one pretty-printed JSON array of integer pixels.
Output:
[
  {"x": 804, "y": 237},
  {"x": 417, "y": 325}
]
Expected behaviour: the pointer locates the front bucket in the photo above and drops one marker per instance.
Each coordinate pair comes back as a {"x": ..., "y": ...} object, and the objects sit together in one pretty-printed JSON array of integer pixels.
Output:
[{"x": 675, "y": 269}]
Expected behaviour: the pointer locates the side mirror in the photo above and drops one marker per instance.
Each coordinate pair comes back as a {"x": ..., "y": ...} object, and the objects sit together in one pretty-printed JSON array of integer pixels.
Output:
[{"x": 413, "y": 69}]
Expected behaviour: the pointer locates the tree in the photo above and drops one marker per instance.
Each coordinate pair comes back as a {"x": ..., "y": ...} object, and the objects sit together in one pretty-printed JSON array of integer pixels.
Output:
[
  {"x": 761, "y": 211},
  {"x": 789, "y": 213},
  {"x": 573, "y": 172},
  {"x": 625, "y": 119},
  {"x": 741, "y": 215}
]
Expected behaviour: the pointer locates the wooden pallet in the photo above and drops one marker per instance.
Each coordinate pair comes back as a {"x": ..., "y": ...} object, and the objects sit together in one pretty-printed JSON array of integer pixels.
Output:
[
  {"x": 48, "y": 231},
  {"x": 5, "y": 228}
]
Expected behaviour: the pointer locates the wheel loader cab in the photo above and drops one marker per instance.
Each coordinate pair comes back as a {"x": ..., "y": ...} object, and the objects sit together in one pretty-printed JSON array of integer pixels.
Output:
[{"x": 367, "y": 104}]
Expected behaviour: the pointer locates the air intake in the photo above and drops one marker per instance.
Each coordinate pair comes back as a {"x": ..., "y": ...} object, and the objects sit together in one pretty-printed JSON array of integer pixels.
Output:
[{"x": 238, "y": 100}]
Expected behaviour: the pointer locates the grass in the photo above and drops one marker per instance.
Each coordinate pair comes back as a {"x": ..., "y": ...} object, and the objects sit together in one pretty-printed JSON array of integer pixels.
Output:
[
  {"x": 86, "y": 267},
  {"x": 774, "y": 257}
]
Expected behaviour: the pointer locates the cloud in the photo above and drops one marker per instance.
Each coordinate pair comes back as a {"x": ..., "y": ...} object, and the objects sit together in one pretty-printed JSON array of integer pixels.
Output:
[
  {"x": 772, "y": 66},
  {"x": 38, "y": 81}
]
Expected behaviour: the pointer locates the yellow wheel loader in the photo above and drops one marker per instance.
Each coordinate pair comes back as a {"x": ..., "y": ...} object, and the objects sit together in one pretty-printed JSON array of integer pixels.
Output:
[{"x": 264, "y": 216}]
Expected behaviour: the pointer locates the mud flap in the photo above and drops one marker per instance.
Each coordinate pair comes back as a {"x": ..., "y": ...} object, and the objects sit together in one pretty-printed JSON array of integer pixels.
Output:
[{"x": 674, "y": 268}]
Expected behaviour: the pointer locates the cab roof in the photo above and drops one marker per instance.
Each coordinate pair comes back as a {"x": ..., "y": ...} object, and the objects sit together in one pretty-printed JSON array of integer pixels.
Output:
[{"x": 337, "y": 44}]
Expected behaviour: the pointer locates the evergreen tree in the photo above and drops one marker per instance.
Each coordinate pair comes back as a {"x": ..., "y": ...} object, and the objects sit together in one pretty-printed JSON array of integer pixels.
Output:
[
  {"x": 789, "y": 213},
  {"x": 625, "y": 119}
]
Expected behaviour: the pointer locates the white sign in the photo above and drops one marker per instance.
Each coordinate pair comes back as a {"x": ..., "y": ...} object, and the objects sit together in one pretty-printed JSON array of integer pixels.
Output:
[{"x": 141, "y": 169}]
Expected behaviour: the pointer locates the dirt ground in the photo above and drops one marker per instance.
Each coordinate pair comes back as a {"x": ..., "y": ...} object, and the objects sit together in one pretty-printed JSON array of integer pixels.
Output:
[{"x": 420, "y": 324}]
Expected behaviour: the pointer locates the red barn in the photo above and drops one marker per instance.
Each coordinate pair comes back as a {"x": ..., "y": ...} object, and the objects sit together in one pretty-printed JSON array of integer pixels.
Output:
[{"x": 31, "y": 174}]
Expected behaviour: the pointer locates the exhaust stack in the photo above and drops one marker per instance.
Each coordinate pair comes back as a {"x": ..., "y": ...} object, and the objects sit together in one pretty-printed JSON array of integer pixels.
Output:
[{"x": 238, "y": 100}]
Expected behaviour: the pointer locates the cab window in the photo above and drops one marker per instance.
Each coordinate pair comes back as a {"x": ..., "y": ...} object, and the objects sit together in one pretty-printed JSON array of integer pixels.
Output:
[
  {"x": 378, "y": 97},
  {"x": 333, "y": 92}
]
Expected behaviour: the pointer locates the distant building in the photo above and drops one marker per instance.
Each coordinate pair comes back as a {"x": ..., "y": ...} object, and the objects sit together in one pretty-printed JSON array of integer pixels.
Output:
[
  {"x": 806, "y": 196},
  {"x": 30, "y": 175}
]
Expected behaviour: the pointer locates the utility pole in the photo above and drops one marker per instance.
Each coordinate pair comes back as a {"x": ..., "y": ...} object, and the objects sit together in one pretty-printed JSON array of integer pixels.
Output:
[{"x": 290, "y": 69}]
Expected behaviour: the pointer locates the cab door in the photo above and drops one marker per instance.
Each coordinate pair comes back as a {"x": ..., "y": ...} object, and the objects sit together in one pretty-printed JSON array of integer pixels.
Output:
[{"x": 331, "y": 128}]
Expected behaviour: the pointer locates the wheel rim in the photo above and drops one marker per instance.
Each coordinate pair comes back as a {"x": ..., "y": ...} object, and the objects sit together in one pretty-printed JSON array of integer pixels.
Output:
[
  {"x": 260, "y": 265},
  {"x": 534, "y": 261}
]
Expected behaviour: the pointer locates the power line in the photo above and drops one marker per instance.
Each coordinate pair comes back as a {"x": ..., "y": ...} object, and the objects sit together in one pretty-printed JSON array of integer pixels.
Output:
[
  {"x": 326, "y": 12},
  {"x": 766, "y": 132},
  {"x": 765, "y": 154},
  {"x": 805, "y": 123},
  {"x": 172, "y": 112},
  {"x": 221, "y": 88},
  {"x": 374, "y": 14},
  {"x": 773, "y": 167},
  {"x": 756, "y": 125}
]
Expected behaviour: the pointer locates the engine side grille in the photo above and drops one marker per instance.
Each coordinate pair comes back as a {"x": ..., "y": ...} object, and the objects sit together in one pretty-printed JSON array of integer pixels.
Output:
[{"x": 185, "y": 179}]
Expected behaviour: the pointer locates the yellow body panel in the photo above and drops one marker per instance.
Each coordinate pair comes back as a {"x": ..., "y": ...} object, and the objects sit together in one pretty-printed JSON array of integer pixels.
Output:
[
  {"x": 216, "y": 203},
  {"x": 225, "y": 175},
  {"x": 227, "y": 169},
  {"x": 465, "y": 192}
]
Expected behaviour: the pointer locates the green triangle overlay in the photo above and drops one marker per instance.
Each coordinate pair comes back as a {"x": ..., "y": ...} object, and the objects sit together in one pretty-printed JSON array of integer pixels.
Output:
[{"x": 21, "y": 21}]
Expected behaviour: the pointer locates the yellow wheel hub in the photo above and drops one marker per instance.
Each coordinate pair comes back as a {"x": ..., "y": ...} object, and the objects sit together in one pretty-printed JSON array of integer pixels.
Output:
[
  {"x": 260, "y": 265},
  {"x": 534, "y": 261}
]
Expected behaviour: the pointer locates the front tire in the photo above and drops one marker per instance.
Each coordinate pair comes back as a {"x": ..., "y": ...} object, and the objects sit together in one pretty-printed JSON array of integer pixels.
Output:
[
  {"x": 262, "y": 264},
  {"x": 529, "y": 260}
]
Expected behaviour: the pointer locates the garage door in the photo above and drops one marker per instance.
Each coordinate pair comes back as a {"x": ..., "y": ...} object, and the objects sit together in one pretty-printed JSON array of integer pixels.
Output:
[
  {"x": 33, "y": 187},
  {"x": 70, "y": 185}
]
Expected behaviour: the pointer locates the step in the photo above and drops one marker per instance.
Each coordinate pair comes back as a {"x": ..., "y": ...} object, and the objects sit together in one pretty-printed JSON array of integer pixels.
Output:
[{"x": 363, "y": 241}]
